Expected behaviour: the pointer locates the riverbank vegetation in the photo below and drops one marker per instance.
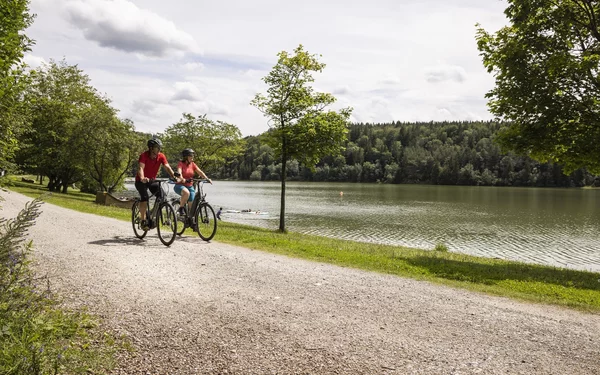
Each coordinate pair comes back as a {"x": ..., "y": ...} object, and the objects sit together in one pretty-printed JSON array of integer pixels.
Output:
[{"x": 533, "y": 283}]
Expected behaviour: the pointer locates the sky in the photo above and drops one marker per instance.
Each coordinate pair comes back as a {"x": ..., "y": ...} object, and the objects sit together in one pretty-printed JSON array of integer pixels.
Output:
[{"x": 390, "y": 60}]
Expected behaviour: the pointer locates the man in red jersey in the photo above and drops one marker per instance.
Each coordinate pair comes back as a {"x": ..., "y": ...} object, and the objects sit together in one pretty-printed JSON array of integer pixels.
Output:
[{"x": 149, "y": 164}]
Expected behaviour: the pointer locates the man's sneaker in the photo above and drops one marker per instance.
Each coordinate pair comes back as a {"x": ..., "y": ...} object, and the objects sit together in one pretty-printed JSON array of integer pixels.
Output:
[
  {"x": 182, "y": 211},
  {"x": 144, "y": 225}
]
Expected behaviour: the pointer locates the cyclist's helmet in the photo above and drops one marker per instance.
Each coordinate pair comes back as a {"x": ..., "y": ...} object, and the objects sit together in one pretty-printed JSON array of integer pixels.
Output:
[
  {"x": 154, "y": 142},
  {"x": 187, "y": 152}
]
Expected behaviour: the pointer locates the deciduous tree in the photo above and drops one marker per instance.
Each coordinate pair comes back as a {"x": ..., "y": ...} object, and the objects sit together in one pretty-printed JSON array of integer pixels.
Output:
[
  {"x": 301, "y": 126},
  {"x": 546, "y": 65},
  {"x": 60, "y": 97},
  {"x": 14, "y": 19},
  {"x": 213, "y": 141}
]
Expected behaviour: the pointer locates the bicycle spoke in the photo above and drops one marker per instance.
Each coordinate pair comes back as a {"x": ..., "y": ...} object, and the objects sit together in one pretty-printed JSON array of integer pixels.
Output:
[
  {"x": 166, "y": 223},
  {"x": 136, "y": 220},
  {"x": 181, "y": 219},
  {"x": 206, "y": 222}
]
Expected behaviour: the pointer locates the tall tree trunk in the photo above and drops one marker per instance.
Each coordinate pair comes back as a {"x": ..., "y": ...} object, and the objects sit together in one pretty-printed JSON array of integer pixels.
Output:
[
  {"x": 52, "y": 182},
  {"x": 283, "y": 178}
]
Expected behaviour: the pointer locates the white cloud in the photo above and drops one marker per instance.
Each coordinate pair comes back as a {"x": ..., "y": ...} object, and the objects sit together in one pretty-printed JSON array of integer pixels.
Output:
[
  {"x": 341, "y": 90},
  {"x": 33, "y": 61},
  {"x": 389, "y": 60},
  {"x": 254, "y": 73},
  {"x": 390, "y": 79},
  {"x": 121, "y": 25},
  {"x": 186, "y": 91},
  {"x": 211, "y": 108},
  {"x": 193, "y": 66},
  {"x": 143, "y": 106},
  {"x": 444, "y": 73}
]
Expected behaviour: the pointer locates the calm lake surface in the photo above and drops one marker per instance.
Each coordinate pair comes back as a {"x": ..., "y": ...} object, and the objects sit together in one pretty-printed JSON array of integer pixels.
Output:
[{"x": 557, "y": 227}]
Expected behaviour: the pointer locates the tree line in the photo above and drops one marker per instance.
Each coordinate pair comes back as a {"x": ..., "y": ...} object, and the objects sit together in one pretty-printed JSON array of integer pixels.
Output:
[
  {"x": 445, "y": 153},
  {"x": 64, "y": 130},
  {"x": 69, "y": 135},
  {"x": 56, "y": 125}
]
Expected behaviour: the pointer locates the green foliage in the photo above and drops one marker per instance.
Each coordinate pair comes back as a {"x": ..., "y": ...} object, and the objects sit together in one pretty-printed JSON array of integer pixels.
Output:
[
  {"x": 546, "y": 65},
  {"x": 111, "y": 148},
  {"x": 214, "y": 142},
  {"x": 440, "y": 247},
  {"x": 14, "y": 19},
  {"x": 74, "y": 131},
  {"x": 448, "y": 153},
  {"x": 301, "y": 128},
  {"x": 37, "y": 337}
]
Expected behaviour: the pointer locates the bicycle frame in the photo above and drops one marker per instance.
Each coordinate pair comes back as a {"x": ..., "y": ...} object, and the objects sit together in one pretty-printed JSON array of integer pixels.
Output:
[
  {"x": 200, "y": 195},
  {"x": 160, "y": 214},
  {"x": 152, "y": 212},
  {"x": 200, "y": 214},
  {"x": 199, "y": 198}
]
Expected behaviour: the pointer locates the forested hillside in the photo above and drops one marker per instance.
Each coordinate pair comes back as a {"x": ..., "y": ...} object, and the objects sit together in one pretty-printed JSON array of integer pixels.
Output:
[{"x": 445, "y": 153}]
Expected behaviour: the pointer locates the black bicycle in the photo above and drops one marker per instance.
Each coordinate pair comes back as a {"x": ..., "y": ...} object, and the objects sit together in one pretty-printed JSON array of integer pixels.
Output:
[
  {"x": 202, "y": 219},
  {"x": 162, "y": 216}
]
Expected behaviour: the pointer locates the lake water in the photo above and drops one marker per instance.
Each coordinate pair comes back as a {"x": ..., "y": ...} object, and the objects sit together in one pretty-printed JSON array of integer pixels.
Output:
[{"x": 557, "y": 227}]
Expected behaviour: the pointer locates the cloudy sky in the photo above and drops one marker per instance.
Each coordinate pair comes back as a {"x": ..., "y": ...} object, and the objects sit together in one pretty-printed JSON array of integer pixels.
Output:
[{"x": 391, "y": 60}]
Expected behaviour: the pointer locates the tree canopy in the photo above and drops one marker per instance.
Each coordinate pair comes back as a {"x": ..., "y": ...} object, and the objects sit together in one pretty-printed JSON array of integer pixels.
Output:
[
  {"x": 14, "y": 19},
  {"x": 74, "y": 134},
  {"x": 213, "y": 141},
  {"x": 301, "y": 126},
  {"x": 546, "y": 65}
]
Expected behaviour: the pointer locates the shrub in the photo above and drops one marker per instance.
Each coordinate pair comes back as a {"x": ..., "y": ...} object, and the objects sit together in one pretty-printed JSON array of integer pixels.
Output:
[
  {"x": 441, "y": 248},
  {"x": 36, "y": 335}
]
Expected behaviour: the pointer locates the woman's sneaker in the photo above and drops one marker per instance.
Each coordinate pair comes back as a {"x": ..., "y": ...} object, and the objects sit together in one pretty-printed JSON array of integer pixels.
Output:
[
  {"x": 181, "y": 211},
  {"x": 144, "y": 225}
]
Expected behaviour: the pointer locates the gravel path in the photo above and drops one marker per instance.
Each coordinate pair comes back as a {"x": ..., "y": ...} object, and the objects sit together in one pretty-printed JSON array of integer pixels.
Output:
[{"x": 211, "y": 308}]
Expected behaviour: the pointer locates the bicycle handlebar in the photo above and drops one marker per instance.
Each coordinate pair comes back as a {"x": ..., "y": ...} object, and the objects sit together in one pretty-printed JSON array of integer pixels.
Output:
[
  {"x": 186, "y": 180},
  {"x": 162, "y": 180}
]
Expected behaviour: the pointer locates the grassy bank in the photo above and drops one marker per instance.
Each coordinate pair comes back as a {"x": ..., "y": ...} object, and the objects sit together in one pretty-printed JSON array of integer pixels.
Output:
[{"x": 534, "y": 283}]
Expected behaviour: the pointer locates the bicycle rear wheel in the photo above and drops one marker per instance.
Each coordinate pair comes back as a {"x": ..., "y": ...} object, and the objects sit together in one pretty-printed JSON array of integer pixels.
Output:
[
  {"x": 166, "y": 223},
  {"x": 181, "y": 220},
  {"x": 136, "y": 220},
  {"x": 206, "y": 222}
]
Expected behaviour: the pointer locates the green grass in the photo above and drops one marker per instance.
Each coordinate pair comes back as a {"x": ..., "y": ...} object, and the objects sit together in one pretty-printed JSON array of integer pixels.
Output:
[
  {"x": 533, "y": 283},
  {"x": 37, "y": 335}
]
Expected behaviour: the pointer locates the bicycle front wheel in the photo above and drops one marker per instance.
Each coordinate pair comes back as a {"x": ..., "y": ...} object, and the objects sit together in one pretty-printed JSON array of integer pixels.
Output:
[
  {"x": 181, "y": 220},
  {"x": 166, "y": 223},
  {"x": 206, "y": 222},
  {"x": 136, "y": 221}
]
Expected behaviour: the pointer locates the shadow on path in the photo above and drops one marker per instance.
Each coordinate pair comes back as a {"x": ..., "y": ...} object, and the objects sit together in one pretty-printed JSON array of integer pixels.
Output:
[
  {"x": 119, "y": 241},
  {"x": 133, "y": 241}
]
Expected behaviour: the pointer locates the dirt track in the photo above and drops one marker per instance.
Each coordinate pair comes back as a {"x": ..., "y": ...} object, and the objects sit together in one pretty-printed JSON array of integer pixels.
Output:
[{"x": 207, "y": 308}]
